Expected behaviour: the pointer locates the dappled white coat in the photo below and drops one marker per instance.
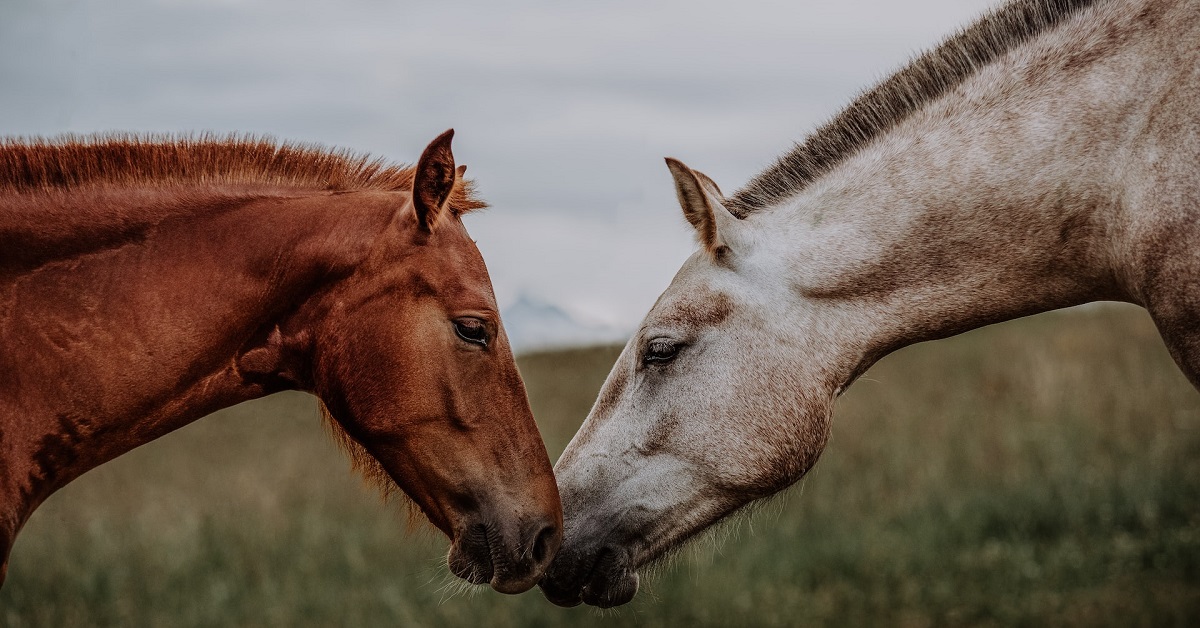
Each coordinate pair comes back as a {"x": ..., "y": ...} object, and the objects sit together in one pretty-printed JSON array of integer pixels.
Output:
[{"x": 1064, "y": 171}]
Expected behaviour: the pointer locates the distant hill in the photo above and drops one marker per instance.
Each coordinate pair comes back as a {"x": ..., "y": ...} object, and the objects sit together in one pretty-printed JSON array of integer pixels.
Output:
[{"x": 533, "y": 324}]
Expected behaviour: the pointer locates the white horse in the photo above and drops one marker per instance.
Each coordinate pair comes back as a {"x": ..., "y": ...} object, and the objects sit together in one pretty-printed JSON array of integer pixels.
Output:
[{"x": 1046, "y": 156}]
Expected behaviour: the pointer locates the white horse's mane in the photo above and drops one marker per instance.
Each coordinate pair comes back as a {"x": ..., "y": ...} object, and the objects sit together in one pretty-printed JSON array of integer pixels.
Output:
[{"x": 885, "y": 105}]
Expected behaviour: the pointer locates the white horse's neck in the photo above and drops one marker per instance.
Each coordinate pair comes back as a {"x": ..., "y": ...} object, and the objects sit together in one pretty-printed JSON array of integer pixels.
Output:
[{"x": 1001, "y": 199}]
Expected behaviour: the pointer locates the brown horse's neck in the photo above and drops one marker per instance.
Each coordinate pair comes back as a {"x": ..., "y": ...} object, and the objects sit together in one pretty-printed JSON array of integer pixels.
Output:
[{"x": 116, "y": 335}]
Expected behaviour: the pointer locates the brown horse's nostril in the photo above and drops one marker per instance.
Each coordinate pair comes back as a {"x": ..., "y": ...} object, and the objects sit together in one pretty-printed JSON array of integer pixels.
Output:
[{"x": 543, "y": 544}]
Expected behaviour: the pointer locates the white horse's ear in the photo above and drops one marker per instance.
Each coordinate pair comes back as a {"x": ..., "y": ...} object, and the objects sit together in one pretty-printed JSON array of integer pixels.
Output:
[
  {"x": 703, "y": 206},
  {"x": 709, "y": 185}
]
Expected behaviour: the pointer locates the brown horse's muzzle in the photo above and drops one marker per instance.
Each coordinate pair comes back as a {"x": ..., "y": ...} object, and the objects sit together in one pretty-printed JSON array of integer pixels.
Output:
[{"x": 511, "y": 556}]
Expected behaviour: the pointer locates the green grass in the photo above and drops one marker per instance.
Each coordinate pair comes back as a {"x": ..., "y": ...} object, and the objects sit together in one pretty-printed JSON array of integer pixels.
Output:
[{"x": 1041, "y": 472}]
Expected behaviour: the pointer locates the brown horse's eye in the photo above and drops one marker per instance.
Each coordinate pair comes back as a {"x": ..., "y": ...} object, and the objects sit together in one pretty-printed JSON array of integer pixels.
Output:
[
  {"x": 472, "y": 330},
  {"x": 660, "y": 350}
]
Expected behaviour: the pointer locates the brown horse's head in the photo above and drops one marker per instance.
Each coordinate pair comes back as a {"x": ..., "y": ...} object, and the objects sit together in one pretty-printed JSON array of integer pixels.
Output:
[{"x": 412, "y": 363}]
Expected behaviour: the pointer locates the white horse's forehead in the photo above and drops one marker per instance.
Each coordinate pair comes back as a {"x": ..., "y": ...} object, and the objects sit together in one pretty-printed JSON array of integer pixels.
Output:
[
  {"x": 700, "y": 275},
  {"x": 701, "y": 282}
]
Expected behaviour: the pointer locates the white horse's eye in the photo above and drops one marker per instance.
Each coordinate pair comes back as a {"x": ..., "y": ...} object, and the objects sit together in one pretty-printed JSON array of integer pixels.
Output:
[{"x": 660, "y": 350}]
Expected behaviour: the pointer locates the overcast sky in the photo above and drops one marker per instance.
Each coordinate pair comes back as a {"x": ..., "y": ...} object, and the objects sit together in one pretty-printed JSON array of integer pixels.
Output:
[{"x": 563, "y": 110}]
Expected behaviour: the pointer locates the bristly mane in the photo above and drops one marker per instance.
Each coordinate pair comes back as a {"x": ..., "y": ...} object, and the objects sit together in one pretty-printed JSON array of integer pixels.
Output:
[
  {"x": 882, "y": 107},
  {"x": 68, "y": 161}
]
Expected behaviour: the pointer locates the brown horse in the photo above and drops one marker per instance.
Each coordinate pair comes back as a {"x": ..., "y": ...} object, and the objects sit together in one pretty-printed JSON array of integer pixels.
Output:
[{"x": 145, "y": 283}]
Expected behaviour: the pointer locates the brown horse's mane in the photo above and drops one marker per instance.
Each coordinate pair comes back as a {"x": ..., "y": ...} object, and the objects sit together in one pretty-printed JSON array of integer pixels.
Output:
[
  {"x": 72, "y": 161},
  {"x": 890, "y": 102}
]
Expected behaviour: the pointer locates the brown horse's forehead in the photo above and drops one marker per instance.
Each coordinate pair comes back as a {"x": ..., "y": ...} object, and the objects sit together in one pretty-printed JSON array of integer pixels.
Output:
[{"x": 451, "y": 268}]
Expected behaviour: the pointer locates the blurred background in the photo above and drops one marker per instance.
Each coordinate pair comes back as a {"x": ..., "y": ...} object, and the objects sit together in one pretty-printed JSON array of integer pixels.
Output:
[{"x": 1040, "y": 472}]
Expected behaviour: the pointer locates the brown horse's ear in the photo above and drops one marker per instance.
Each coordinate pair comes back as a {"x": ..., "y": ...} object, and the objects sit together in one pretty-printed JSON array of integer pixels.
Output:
[
  {"x": 701, "y": 201},
  {"x": 434, "y": 180}
]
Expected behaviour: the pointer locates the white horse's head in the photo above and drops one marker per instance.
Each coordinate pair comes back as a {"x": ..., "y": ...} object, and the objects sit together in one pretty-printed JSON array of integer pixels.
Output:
[{"x": 721, "y": 397}]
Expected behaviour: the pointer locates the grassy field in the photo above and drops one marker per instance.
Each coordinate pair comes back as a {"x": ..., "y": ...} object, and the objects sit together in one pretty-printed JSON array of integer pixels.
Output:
[{"x": 1041, "y": 472}]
